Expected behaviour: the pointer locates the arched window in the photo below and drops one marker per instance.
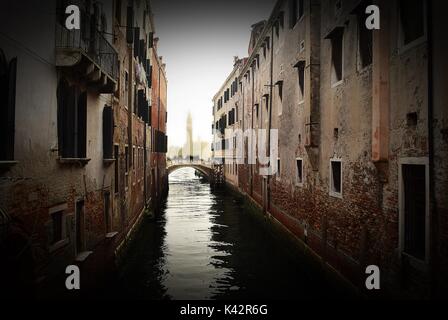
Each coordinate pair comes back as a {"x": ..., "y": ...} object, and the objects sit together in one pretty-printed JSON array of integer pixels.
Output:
[
  {"x": 72, "y": 121},
  {"x": 7, "y": 106}
]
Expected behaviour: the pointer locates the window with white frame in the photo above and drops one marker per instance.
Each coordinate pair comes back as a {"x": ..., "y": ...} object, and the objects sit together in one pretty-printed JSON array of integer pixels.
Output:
[{"x": 336, "y": 178}]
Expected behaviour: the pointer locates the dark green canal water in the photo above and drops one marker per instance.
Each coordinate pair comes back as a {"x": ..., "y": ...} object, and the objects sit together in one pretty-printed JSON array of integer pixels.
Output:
[{"x": 205, "y": 244}]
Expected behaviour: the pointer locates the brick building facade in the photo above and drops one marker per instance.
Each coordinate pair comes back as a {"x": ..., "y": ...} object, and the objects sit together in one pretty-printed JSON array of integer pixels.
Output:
[
  {"x": 362, "y": 121},
  {"x": 77, "y": 131}
]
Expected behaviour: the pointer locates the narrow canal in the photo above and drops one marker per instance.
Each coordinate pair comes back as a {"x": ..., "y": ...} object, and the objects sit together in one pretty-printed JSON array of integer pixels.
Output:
[{"x": 206, "y": 245}]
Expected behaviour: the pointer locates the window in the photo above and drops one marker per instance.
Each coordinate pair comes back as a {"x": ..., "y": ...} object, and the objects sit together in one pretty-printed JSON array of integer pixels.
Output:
[
  {"x": 150, "y": 40},
  {"x": 108, "y": 132},
  {"x": 130, "y": 25},
  {"x": 126, "y": 155},
  {"x": 72, "y": 121},
  {"x": 301, "y": 80},
  {"x": 336, "y": 178},
  {"x": 278, "y": 168},
  {"x": 414, "y": 206},
  {"x": 56, "y": 219},
  {"x": 299, "y": 167},
  {"x": 7, "y": 106},
  {"x": 57, "y": 236},
  {"x": 296, "y": 12},
  {"x": 136, "y": 42},
  {"x": 337, "y": 6},
  {"x": 118, "y": 11},
  {"x": 337, "y": 56},
  {"x": 79, "y": 217},
  {"x": 280, "y": 89},
  {"x": 126, "y": 159},
  {"x": 364, "y": 40},
  {"x": 412, "y": 20},
  {"x": 107, "y": 211}
]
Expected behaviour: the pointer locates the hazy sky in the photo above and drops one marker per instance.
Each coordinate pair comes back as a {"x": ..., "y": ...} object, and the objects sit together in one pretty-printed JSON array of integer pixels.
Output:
[{"x": 198, "y": 40}]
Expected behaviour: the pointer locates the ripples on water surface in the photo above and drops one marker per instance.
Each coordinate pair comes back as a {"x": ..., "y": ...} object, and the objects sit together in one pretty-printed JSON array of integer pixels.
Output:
[{"x": 205, "y": 246}]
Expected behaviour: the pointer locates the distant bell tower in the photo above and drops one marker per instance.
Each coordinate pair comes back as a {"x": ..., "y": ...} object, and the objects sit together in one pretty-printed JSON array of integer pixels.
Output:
[{"x": 190, "y": 136}]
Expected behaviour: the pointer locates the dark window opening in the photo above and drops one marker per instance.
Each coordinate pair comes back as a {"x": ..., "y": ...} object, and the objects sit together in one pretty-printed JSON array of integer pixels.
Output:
[
  {"x": 296, "y": 12},
  {"x": 79, "y": 216},
  {"x": 57, "y": 226},
  {"x": 414, "y": 181},
  {"x": 299, "y": 170},
  {"x": 336, "y": 133},
  {"x": 336, "y": 172},
  {"x": 143, "y": 107},
  {"x": 136, "y": 42},
  {"x": 412, "y": 119},
  {"x": 278, "y": 167},
  {"x": 301, "y": 78},
  {"x": 364, "y": 40},
  {"x": 7, "y": 106},
  {"x": 108, "y": 132},
  {"x": 337, "y": 56},
  {"x": 72, "y": 121},
  {"x": 126, "y": 156},
  {"x": 412, "y": 20},
  {"x": 150, "y": 40},
  {"x": 280, "y": 89},
  {"x": 161, "y": 142}
]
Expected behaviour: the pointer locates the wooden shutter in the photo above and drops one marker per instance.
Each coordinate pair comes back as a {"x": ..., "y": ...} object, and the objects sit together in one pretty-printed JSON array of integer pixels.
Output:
[
  {"x": 414, "y": 180},
  {"x": 150, "y": 40},
  {"x": 141, "y": 50}
]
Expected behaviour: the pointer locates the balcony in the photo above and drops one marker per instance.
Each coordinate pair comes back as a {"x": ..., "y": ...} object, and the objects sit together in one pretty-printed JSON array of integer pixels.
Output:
[{"x": 87, "y": 55}]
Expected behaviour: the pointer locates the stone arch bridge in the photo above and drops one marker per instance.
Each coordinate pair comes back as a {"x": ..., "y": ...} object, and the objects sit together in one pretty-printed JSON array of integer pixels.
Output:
[{"x": 212, "y": 172}]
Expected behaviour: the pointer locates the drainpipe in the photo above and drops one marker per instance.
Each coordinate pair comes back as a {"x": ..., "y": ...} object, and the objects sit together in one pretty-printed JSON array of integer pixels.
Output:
[{"x": 432, "y": 198}]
